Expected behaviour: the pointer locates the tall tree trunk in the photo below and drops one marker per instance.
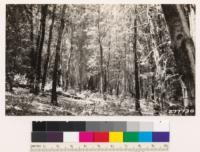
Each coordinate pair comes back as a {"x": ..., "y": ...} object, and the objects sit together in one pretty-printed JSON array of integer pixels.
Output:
[
  {"x": 101, "y": 67},
  {"x": 80, "y": 84},
  {"x": 117, "y": 79},
  {"x": 101, "y": 56},
  {"x": 32, "y": 54},
  {"x": 141, "y": 87},
  {"x": 69, "y": 59},
  {"x": 80, "y": 67},
  {"x": 137, "y": 88},
  {"x": 39, "y": 54},
  {"x": 124, "y": 74},
  {"x": 55, "y": 71},
  {"x": 107, "y": 83},
  {"x": 48, "y": 49},
  {"x": 182, "y": 45}
]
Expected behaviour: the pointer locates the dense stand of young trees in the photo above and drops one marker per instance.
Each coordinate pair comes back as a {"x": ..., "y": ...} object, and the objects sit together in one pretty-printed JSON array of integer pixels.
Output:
[{"x": 141, "y": 51}]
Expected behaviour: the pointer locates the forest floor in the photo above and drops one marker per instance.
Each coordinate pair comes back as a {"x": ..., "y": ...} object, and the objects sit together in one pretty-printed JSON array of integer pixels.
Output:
[{"x": 22, "y": 102}]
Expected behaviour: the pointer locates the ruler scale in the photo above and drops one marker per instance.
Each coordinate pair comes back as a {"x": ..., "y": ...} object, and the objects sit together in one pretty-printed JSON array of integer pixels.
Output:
[{"x": 128, "y": 147}]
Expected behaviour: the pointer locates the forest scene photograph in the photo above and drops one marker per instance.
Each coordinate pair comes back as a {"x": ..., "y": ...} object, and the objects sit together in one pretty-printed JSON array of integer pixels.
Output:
[{"x": 100, "y": 60}]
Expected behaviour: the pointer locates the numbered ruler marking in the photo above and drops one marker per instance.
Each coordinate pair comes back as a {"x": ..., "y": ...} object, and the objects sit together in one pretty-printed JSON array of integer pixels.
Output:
[{"x": 101, "y": 147}]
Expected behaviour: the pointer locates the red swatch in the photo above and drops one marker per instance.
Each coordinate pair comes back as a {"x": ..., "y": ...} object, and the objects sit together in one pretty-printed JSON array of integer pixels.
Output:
[{"x": 101, "y": 137}]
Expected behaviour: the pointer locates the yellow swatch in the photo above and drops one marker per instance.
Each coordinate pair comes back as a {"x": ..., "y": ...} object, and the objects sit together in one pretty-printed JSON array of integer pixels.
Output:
[{"x": 115, "y": 136}]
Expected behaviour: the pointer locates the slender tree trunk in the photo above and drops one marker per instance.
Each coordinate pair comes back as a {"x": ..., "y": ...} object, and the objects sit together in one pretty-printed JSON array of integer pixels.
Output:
[
  {"x": 101, "y": 57},
  {"x": 69, "y": 59},
  {"x": 101, "y": 68},
  {"x": 124, "y": 74},
  {"x": 59, "y": 70},
  {"x": 117, "y": 86},
  {"x": 46, "y": 63},
  {"x": 107, "y": 83},
  {"x": 55, "y": 71},
  {"x": 182, "y": 46},
  {"x": 141, "y": 88},
  {"x": 117, "y": 80},
  {"x": 35, "y": 54},
  {"x": 39, "y": 55},
  {"x": 153, "y": 87},
  {"x": 68, "y": 70},
  {"x": 80, "y": 84},
  {"x": 81, "y": 54},
  {"x": 32, "y": 54},
  {"x": 137, "y": 88}
]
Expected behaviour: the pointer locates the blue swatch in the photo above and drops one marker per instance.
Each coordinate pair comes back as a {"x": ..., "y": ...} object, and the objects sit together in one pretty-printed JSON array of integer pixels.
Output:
[{"x": 145, "y": 136}]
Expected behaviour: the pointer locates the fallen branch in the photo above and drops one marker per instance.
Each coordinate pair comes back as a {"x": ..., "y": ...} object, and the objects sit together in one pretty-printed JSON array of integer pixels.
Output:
[{"x": 69, "y": 95}]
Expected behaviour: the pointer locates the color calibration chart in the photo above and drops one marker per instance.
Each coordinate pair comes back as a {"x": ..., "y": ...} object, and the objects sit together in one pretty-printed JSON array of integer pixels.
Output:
[{"x": 63, "y": 136}]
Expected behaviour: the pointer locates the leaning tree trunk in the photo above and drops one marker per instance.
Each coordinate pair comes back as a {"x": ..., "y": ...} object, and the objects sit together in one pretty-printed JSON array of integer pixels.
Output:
[
  {"x": 39, "y": 55},
  {"x": 183, "y": 46},
  {"x": 55, "y": 71},
  {"x": 48, "y": 49}
]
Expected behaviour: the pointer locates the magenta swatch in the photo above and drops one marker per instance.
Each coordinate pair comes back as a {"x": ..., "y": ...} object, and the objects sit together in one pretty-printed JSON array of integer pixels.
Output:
[{"x": 86, "y": 137}]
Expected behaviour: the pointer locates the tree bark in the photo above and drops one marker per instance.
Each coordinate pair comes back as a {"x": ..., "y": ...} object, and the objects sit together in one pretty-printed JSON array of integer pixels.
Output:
[
  {"x": 137, "y": 88},
  {"x": 101, "y": 67},
  {"x": 33, "y": 53},
  {"x": 192, "y": 24},
  {"x": 101, "y": 56},
  {"x": 69, "y": 59},
  {"x": 124, "y": 74},
  {"x": 80, "y": 84},
  {"x": 46, "y": 63},
  {"x": 182, "y": 45},
  {"x": 39, "y": 55},
  {"x": 55, "y": 71},
  {"x": 81, "y": 54},
  {"x": 107, "y": 82}
]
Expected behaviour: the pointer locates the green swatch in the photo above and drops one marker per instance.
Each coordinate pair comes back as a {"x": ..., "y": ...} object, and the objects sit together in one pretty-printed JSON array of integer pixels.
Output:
[{"x": 131, "y": 137}]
